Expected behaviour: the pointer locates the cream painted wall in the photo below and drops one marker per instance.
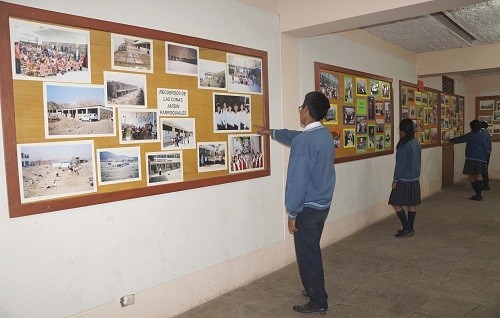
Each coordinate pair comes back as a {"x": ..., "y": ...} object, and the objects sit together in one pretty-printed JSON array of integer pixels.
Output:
[{"x": 62, "y": 263}]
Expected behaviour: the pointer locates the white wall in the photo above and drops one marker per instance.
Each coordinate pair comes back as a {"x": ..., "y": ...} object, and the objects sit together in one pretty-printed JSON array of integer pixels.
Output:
[{"x": 62, "y": 263}]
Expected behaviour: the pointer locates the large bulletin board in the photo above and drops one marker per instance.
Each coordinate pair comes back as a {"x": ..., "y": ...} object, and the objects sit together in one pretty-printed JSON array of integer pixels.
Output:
[
  {"x": 437, "y": 116},
  {"x": 422, "y": 107},
  {"x": 96, "y": 112},
  {"x": 361, "y": 114},
  {"x": 488, "y": 110},
  {"x": 452, "y": 116}
]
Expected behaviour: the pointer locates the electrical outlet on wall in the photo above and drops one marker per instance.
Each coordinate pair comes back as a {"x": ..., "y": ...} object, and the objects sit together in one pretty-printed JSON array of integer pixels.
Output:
[{"x": 127, "y": 300}]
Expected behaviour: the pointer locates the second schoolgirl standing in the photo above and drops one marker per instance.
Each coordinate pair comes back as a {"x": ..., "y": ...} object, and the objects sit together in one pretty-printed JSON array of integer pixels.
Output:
[{"x": 406, "y": 180}]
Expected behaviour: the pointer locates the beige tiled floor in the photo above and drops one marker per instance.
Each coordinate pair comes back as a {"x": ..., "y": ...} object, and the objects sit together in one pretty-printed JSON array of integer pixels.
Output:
[{"x": 450, "y": 268}]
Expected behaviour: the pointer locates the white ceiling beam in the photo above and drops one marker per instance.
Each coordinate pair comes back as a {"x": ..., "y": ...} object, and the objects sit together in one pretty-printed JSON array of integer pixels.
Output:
[{"x": 302, "y": 19}]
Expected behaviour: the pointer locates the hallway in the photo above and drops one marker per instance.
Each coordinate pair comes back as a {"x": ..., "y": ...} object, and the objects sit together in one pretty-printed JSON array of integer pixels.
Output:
[{"x": 449, "y": 268}]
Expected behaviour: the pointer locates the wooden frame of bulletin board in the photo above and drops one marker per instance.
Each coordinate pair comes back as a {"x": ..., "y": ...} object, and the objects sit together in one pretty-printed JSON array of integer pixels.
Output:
[
  {"x": 361, "y": 114},
  {"x": 488, "y": 109},
  {"x": 95, "y": 111},
  {"x": 423, "y": 108}
]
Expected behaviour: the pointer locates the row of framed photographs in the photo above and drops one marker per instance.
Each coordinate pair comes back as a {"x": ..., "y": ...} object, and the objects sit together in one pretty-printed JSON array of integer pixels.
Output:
[
  {"x": 60, "y": 169},
  {"x": 361, "y": 113},
  {"x": 83, "y": 110},
  {"x": 377, "y": 137},
  {"x": 352, "y": 86},
  {"x": 47, "y": 52}
]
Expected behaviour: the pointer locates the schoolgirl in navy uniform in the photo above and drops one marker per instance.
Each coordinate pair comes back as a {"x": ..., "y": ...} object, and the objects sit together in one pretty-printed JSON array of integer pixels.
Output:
[{"x": 406, "y": 180}]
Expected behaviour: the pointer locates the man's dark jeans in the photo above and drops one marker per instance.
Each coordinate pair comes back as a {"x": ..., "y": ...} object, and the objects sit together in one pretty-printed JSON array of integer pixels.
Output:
[{"x": 310, "y": 223}]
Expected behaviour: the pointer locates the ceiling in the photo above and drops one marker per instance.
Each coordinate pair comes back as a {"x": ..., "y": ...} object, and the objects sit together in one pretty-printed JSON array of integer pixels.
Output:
[{"x": 474, "y": 25}]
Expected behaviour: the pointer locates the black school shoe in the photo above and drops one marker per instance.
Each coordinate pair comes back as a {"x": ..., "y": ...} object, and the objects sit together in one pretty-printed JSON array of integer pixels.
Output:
[
  {"x": 310, "y": 309},
  {"x": 404, "y": 233},
  {"x": 476, "y": 197}
]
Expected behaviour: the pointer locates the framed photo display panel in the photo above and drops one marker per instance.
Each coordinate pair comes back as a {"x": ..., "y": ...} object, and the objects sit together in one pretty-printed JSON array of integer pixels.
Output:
[
  {"x": 452, "y": 116},
  {"x": 424, "y": 109},
  {"x": 488, "y": 109},
  {"x": 134, "y": 127},
  {"x": 361, "y": 111}
]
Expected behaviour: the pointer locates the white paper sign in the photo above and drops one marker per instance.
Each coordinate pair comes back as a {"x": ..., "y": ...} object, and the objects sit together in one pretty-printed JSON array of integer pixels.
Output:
[{"x": 172, "y": 102}]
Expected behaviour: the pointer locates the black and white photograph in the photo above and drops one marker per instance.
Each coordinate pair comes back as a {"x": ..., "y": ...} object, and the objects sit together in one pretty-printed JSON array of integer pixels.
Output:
[
  {"x": 46, "y": 52},
  {"x": 76, "y": 110},
  {"x": 331, "y": 116},
  {"x": 129, "y": 53},
  {"x": 244, "y": 74},
  {"x": 374, "y": 87},
  {"x": 348, "y": 115},
  {"x": 361, "y": 124},
  {"x": 56, "y": 169},
  {"x": 232, "y": 113},
  {"x": 434, "y": 135},
  {"x": 137, "y": 125},
  {"x": 329, "y": 84},
  {"x": 349, "y": 141},
  {"x": 125, "y": 89},
  {"x": 348, "y": 89},
  {"x": 411, "y": 95},
  {"x": 404, "y": 113},
  {"x": 361, "y": 86},
  {"x": 412, "y": 112},
  {"x": 386, "y": 90},
  {"x": 498, "y": 106},
  {"x": 379, "y": 126},
  {"x": 181, "y": 59},
  {"x": 488, "y": 119},
  {"x": 496, "y": 129},
  {"x": 404, "y": 96},
  {"x": 387, "y": 136},
  {"x": 212, "y": 75},
  {"x": 486, "y": 104},
  {"x": 212, "y": 156},
  {"x": 178, "y": 133},
  {"x": 164, "y": 167},
  {"x": 361, "y": 144},
  {"x": 496, "y": 115},
  {"x": 387, "y": 111},
  {"x": 371, "y": 137},
  {"x": 379, "y": 142},
  {"x": 118, "y": 165},
  {"x": 246, "y": 153},
  {"x": 379, "y": 108},
  {"x": 418, "y": 98}
]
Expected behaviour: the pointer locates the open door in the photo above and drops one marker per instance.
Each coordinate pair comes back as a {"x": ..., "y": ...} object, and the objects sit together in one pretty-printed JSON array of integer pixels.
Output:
[{"x": 448, "y": 165}]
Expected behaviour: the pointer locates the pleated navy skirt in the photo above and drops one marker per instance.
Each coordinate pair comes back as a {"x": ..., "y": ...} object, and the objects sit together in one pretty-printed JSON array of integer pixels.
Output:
[
  {"x": 474, "y": 167},
  {"x": 406, "y": 194}
]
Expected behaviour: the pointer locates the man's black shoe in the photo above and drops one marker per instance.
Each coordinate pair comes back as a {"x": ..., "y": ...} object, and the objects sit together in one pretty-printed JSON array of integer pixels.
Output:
[
  {"x": 310, "y": 309},
  {"x": 304, "y": 293},
  {"x": 404, "y": 233},
  {"x": 476, "y": 198}
]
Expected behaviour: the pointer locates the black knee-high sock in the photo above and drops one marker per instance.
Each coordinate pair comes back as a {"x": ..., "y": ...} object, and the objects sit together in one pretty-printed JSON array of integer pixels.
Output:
[
  {"x": 402, "y": 217},
  {"x": 411, "y": 219},
  {"x": 473, "y": 184},
  {"x": 479, "y": 187}
]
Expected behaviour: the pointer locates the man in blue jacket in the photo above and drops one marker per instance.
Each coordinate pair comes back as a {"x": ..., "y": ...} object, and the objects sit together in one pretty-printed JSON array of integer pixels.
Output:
[{"x": 308, "y": 194}]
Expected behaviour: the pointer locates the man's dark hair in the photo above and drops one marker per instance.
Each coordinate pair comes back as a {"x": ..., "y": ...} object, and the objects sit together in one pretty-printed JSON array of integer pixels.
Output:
[
  {"x": 484, "y": 124},
  {"x": 475, "y": 125},
  {"x": 317, "y": 104}
]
